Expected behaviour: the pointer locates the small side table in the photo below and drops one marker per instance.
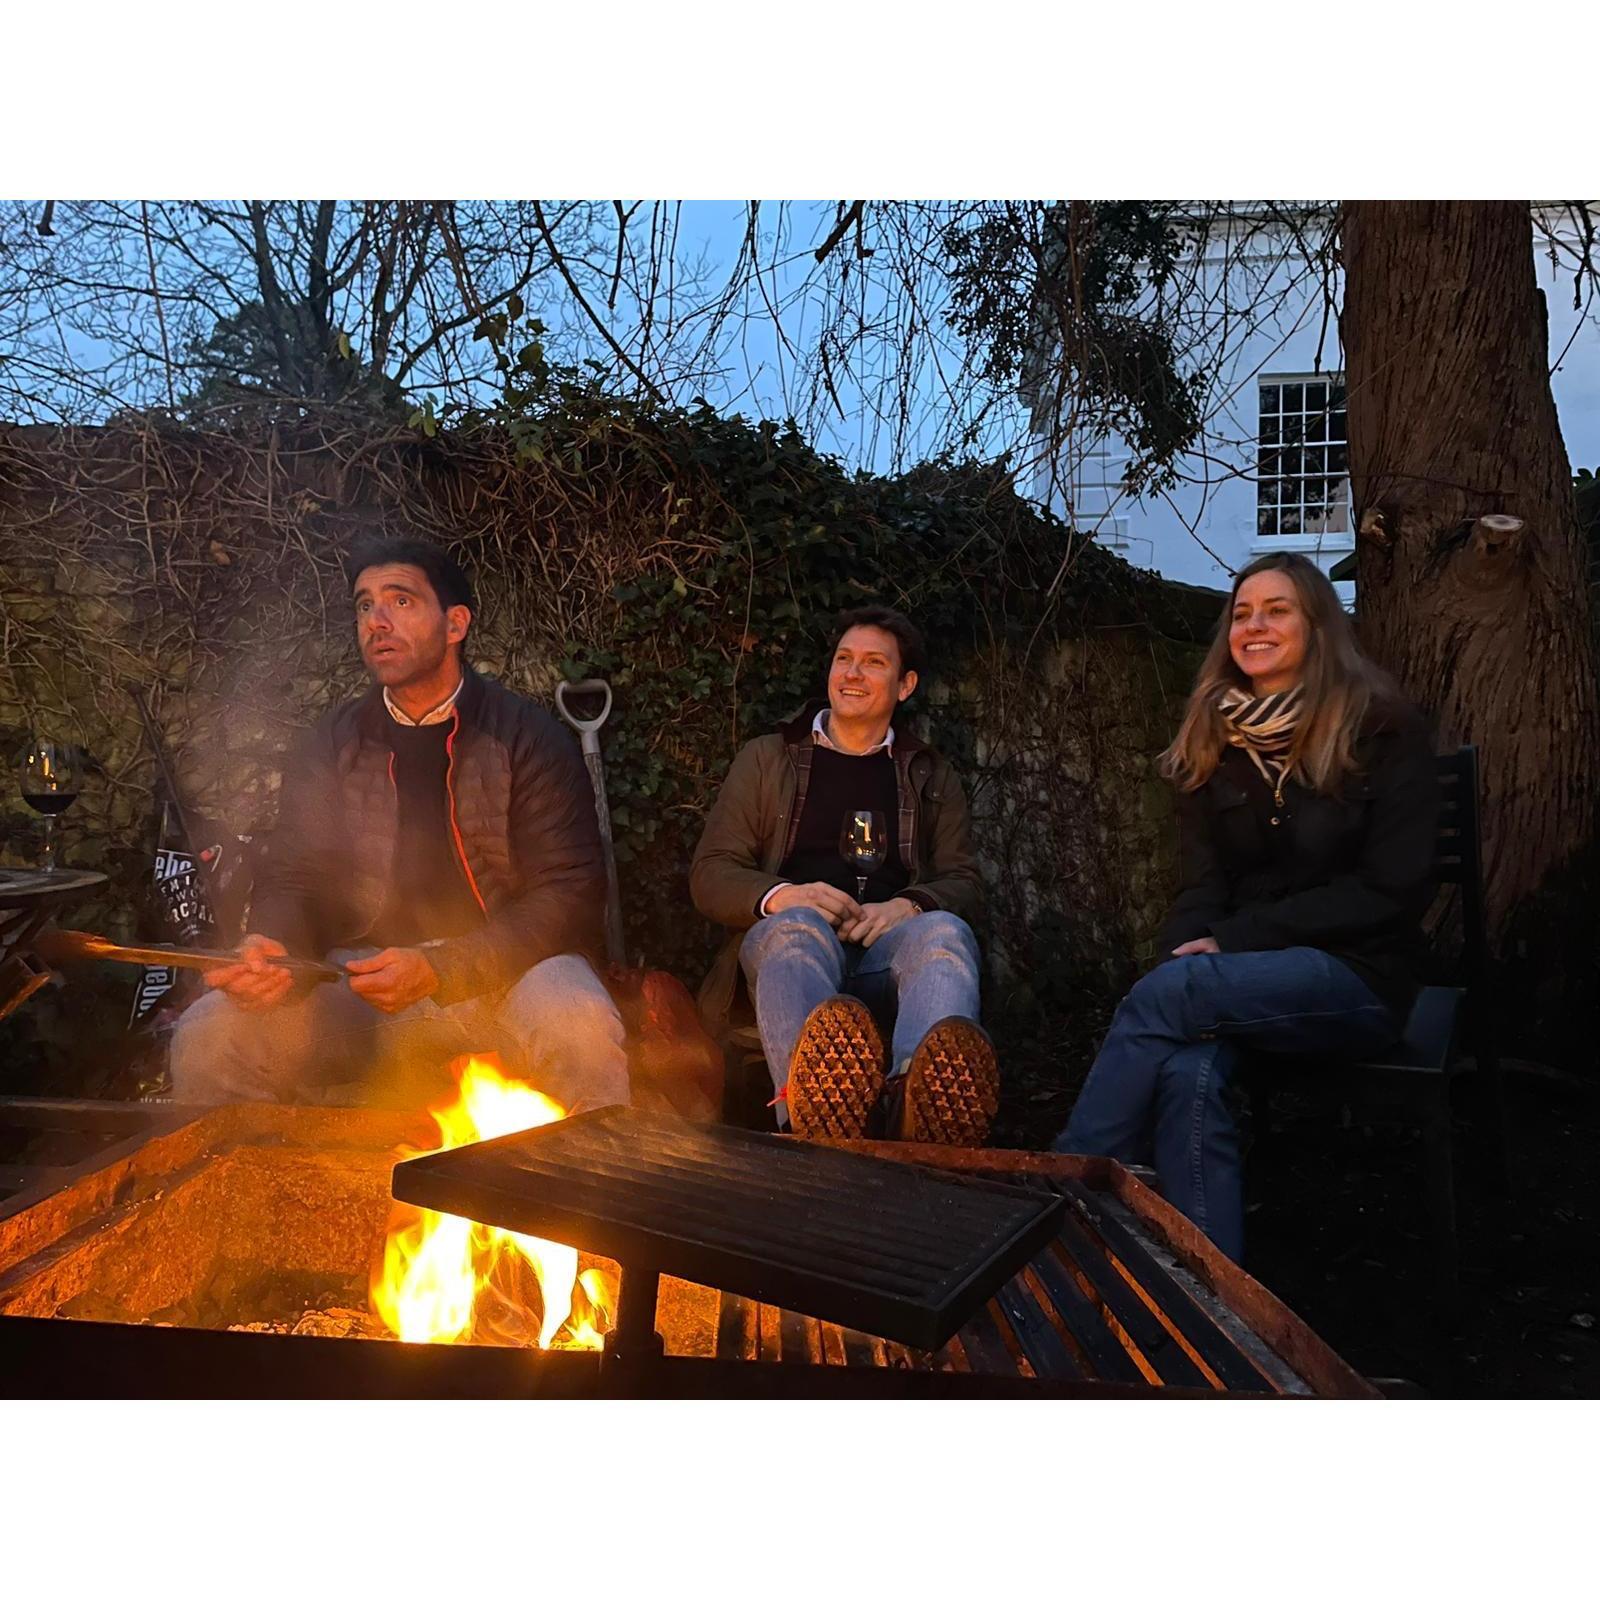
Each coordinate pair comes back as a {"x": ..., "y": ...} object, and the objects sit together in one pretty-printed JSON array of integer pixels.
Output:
[{"x": 29, "y": 897}]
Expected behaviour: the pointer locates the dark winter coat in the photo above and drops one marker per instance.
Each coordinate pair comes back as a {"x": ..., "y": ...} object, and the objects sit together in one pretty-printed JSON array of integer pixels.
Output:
[
  {"x": 1350, "y": 873},
  {"x": 522, "y": 817},
  {"x": 751, "y": 830}
]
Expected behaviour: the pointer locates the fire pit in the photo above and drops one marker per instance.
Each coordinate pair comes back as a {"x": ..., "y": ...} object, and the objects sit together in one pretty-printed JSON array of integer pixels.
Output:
[{"x": 236, "y": 1254}]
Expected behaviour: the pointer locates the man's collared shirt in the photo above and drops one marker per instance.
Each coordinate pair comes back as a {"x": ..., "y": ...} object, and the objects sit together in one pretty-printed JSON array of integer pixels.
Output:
[
  {"x": 819, "y": 732},
  {"x": 440, "y": 711}
]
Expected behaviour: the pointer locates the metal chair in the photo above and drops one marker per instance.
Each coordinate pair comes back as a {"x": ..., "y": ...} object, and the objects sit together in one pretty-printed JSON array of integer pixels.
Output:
[{"x": 1413, "y": 1082}]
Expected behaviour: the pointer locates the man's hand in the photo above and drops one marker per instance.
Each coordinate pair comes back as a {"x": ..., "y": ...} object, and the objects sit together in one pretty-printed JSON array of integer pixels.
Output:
[
  {"x": 1198, "y": 947},
  {"x": 874, "y": 921},
  {"x": 833, "y": 903},
  {"x": 251, "y": 983},
  {"x": 393, "y": 979}
]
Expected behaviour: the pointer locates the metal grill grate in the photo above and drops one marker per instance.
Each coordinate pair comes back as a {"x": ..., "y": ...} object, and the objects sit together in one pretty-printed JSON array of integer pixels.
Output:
[
  {"x": 1101, "y": 1303},
  {"x": 902, "y": 1252}
]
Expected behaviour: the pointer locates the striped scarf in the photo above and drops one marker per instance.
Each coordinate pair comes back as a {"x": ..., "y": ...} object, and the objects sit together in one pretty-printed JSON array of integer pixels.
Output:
[{"x": 1264, "y": 729}]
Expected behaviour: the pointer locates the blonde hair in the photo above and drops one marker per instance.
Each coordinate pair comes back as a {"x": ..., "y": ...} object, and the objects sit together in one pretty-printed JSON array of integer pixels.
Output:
[{"x": 1340, "y": 688}]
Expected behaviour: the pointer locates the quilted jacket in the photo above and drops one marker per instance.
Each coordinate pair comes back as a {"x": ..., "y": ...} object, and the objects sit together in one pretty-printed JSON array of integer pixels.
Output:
[{"x": 522, "y": 816}]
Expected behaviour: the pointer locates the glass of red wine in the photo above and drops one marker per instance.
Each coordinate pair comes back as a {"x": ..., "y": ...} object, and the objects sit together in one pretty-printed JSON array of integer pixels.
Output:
[
  {"x": 50, "y": 777},
  {"x": 864, "y": 845}
]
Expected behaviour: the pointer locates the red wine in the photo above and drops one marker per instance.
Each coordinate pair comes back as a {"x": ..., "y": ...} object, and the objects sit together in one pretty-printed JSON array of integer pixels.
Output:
[{"x": 52, "y": 805}]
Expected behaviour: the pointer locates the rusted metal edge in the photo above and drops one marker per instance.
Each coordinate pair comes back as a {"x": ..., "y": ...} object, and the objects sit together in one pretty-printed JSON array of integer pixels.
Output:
[
  {"x": 49, "y": 1179},
  {"x": 44, "y": 1357},
  {"x": 165, "y": 1138},
  {"x": 1328, "y": 1374},
  {"x": 1276, "y": 1369},
  {"x": 1153, "y": 1281}
]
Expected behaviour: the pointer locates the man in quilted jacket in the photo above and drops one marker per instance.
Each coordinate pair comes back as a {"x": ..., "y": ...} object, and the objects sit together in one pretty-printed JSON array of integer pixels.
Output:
[
  {"x": 438, "y": 839},
  {"x": 834, "y": 968}
]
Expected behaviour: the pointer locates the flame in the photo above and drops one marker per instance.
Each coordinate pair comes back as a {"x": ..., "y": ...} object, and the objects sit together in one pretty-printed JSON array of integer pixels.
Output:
[
  {"x": 588, "y": 1333},
  {"x": 445, "y": 1279}
]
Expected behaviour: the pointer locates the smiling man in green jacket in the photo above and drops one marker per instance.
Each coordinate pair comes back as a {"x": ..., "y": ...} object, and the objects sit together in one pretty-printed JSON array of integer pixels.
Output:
[{"x": 825, "y": 963}]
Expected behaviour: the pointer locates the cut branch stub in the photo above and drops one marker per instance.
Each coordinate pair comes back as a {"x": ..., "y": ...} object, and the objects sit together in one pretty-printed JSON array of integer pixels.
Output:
[
  {"x": 1493, "y": 534},
  {"x": 1374, "y": 527},
  {"x": 1492, "y": 547}
]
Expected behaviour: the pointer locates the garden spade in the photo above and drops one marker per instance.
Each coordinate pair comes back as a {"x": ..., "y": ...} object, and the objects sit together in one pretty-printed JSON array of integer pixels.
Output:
[
  {"x": 588, "y": 732},
  {"x": 673, "y": 1062}
]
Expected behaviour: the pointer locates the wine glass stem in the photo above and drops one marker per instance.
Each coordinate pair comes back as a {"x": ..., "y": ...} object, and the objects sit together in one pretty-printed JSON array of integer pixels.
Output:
[
  {"x": 861, "y": 887},
  {"x": 49, "y": 862}
]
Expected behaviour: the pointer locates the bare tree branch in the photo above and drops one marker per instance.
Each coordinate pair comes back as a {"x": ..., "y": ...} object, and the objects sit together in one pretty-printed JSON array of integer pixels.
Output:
[
  {"x": 166, "y": 349},
  {"x": 577, "y": 294},
  {"x": 851, "y": 218}
]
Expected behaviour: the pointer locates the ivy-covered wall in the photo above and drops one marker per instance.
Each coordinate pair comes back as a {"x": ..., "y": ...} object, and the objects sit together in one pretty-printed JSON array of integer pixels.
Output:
[{"x": 696, "y": 562}]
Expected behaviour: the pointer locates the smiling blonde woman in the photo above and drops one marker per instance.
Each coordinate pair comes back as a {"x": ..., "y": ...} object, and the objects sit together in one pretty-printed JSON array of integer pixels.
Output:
[{"x": 1307, "y": 806}]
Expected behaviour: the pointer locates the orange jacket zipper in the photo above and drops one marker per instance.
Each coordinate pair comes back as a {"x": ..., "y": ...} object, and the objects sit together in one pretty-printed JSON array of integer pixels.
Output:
[{"x": 450, "y": 793}]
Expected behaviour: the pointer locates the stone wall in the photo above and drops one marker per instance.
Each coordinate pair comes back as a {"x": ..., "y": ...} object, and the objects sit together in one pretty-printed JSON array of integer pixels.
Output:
[{"x": 119, "y": 573}]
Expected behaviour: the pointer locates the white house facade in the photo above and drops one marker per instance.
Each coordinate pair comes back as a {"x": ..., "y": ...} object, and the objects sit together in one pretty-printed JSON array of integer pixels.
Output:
[{"x": 1270, "y": 472}]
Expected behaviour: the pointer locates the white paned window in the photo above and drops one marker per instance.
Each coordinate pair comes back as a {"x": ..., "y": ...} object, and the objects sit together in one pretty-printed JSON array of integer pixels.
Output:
[{"x": 1301, "y": 485}]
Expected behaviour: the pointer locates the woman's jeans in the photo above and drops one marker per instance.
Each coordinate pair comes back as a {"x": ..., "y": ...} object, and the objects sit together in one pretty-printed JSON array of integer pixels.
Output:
[{"x": 1156, "y": 1090}]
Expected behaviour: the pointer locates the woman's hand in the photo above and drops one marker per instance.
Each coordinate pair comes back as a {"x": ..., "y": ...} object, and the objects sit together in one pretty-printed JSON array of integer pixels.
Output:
[{"x": 1198, "y": 947}]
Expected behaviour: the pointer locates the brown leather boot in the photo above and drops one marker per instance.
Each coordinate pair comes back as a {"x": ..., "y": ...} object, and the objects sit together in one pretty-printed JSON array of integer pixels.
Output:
[
  {"x": 836, "y": 1071},
  {"x": 952, "y": 1086}
]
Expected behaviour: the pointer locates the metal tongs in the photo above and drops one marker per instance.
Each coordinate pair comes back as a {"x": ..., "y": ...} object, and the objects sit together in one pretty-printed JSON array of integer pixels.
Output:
[{"x": 62, "y": 944}]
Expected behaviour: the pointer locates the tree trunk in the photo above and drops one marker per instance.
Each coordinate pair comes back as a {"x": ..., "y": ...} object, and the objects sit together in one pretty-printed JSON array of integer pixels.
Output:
[{"x": 1471, "y": 570}]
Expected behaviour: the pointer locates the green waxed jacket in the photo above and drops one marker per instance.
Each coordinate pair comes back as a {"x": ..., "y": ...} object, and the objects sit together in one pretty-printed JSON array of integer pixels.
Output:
[{"x": 751, "y": 829}]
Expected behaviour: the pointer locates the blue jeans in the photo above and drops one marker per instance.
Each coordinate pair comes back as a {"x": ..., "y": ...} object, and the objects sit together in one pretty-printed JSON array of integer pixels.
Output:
[
  {"x": 918, "y": 973},
  {"x": 556, "y": 1026},
  {"x": 1156, "y": 1090}
]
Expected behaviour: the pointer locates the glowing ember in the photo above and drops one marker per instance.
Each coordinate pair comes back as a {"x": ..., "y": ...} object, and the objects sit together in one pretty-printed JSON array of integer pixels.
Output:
[{"x": 445, "y": 1279}]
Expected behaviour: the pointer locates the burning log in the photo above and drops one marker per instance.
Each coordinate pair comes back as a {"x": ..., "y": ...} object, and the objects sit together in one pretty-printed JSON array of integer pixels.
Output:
[{"x": 444, "y": 1279}]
